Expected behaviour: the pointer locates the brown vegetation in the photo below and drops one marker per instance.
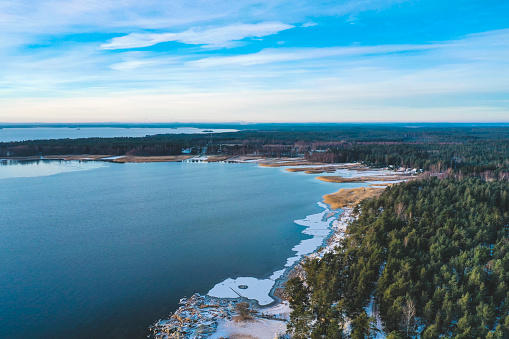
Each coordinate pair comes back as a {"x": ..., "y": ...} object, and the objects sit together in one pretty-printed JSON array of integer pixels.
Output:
[
  {"x": 244, "y": 312},
  {"x": 350, "y": 197},
  {"x": 164, "y": 158},
  {"x": 328, "y": 169},
  {"x": 283, "y": 163},
  {"x": 217, "y": 158},
  {"x": 314, "y": 170},
  {"x": 78, "y": 157},
  {"x": 336, "y": 178}
]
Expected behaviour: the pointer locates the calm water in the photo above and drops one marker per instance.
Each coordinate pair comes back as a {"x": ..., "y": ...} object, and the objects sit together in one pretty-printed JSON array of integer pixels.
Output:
[
  {"x": 37, "y": 133},
  {"x": 104, "y": 250}
]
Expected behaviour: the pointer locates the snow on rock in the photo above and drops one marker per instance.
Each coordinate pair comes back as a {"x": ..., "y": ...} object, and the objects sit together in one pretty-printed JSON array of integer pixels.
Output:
[{"x": 198, "y": 318}]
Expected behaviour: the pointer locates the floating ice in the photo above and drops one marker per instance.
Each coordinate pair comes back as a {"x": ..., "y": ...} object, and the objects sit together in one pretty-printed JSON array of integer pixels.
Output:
[{"x": 317, "y": 225}]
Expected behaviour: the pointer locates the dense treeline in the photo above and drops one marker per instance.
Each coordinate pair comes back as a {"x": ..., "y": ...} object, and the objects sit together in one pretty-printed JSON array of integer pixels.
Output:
[
  {"x": 431, "y": 257},
  {"x": 462, "y": 157},
  {"x": 460, "y": 149}
]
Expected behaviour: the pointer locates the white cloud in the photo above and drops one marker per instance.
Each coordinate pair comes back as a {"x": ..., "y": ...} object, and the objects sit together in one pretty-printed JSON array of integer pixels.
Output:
[
  {"x": 297, "y": 54},
  {"x": 129, "y": 65},
  {"x": 35, "y": 19},
  {"x": 340, "y": 83},
  {"x": 218, "y": 37},
  {"x": 309, "y": 24}
]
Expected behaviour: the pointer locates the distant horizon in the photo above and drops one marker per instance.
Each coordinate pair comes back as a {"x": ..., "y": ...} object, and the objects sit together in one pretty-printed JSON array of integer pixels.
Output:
[{"x": 240, "y": 124}]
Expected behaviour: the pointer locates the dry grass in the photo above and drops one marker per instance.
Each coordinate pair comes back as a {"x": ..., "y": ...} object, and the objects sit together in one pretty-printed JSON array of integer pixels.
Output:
[
  {"x": 217, "y": 158},
  {"x": 77, "y": 157},
  {"x": 289, "y": 163},
  {"x": 350, "y": 197},
  {"x": 315, "y": 170},
  {"x": 165, "y": 158},
  {"x": 328, "y": 169},
  {"x": 382, "y": 185},
  {"x": 334, "y": 178}
]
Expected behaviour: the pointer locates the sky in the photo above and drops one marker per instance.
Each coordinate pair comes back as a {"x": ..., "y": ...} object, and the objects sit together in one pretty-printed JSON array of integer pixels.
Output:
[{"x": 254, "y": 61}]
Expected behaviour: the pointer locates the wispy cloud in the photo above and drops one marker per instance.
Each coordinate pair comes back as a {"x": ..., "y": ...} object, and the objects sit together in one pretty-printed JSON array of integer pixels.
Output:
[
  {"x": 218, "y": 37},
  {"x": 309, "y": 24},
  {"x": 69, "y": 16},
  {"x": 379, "y": 71},
  {"x": 296, "y": 54},
  {"x": 58, "y": 56}
]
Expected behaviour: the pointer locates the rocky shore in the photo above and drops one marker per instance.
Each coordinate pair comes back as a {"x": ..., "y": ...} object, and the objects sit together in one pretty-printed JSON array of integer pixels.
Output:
[
  {"x": 198, "y": 317},
  {"x": 201, "y": 315},
  {"x": 211, "y": 317}
]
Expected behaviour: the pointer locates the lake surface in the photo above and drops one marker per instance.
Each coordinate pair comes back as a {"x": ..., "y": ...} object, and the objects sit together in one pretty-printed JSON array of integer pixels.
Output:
[
  {"x": 103, "y": 250},
  {"x": 37, "y": 133}
]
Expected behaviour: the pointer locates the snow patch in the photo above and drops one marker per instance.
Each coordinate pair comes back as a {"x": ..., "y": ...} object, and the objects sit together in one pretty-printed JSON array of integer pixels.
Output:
[{"x": 317, "y": 225}]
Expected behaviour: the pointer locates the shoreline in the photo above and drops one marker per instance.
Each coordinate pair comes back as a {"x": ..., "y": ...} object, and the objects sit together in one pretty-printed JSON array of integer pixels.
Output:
[
  {"x": 204, "y": 314},
  {"x": 318, "y": 226},
  {"x": 223, "y": 324},
  {"x": 262, "y": 161}
]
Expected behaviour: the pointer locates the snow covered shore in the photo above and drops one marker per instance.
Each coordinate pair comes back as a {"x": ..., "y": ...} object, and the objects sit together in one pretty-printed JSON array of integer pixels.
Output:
[
  {"x": 213, "y": 315},
  {"x": 316, "y": 225}
]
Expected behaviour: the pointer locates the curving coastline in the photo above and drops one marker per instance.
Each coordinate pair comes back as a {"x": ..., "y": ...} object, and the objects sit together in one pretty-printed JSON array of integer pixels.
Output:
[
  {"x": 316, "y": 225},
  {"x": 203, "y": 315},
  {"x": 213, "y": 315},
  {"x": 272, "y": 289}
]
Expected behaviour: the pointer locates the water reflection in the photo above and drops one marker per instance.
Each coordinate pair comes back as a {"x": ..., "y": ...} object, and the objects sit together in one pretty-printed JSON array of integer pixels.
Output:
[{"x": 41, "y": 167}]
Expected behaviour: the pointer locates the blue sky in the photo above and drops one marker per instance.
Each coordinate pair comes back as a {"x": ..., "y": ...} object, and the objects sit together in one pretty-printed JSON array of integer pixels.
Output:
[{"x": 254, "y": 61}]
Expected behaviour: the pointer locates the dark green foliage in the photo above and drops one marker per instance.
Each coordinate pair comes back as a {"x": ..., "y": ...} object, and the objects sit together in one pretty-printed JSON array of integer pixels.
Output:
[
  {"x": 432, "y": 254},
  {"x": 299, "y": 301},
  {"x": 363, "y": 327}
]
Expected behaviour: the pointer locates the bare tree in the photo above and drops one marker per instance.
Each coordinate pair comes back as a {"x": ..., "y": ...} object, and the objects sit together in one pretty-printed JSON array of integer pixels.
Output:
[
  {"x": 409, "y": 316},
  {"x": 243, "y": 311}
]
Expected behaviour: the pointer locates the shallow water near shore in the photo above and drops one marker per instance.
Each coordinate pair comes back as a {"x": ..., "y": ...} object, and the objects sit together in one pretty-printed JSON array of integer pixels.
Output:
[{"x": 105, "y": 252}]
